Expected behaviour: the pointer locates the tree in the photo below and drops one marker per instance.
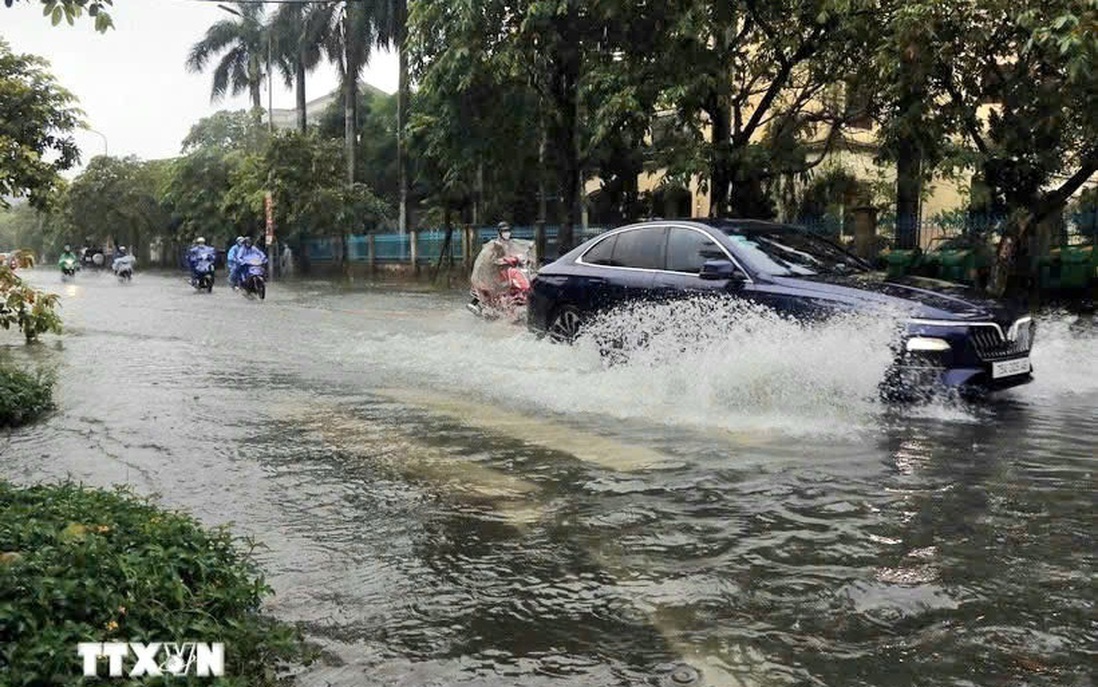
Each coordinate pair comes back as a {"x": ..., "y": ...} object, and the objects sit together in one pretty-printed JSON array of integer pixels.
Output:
[
  {"x": 70, "y": 10},
  {"x": 473, "y": 122},
  {"x": 36, "y": 121},
  {"x": 376, "y": 145},
  {"x": 350, "y": 35},
  {"x": 225, "y": 131},
  {"x": 392, "y": 32},
  {"x": 119, "y": 199},
  {"x": 1033, "y": 62},
  {"x": 299, "y": 33},
  {"x": 305, "y": 175},
  {"x": 243, "y": 44},
  {"x": 765, "y": 96},
  {"x": 196, "y": 193}
]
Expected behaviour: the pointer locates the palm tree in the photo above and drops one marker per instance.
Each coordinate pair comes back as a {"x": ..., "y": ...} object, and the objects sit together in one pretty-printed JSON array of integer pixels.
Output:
[
  {"x": 392, "y": 25},
  {"x": 300, "y": 30},
  {"x": 351, "y": 32},
  {"x": 244, "y": 42}
]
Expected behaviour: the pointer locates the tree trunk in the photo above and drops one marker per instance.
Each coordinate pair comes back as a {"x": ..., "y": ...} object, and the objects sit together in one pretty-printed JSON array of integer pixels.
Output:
[
  {"x": 909, "y": 154},
  {"x": 299, "y": 93},
  {"x": 720, "y": 174},
  {"x": 1022, "y": 221},
  {"x": 402, "y": 116},
  {"x": 543, "y": 209},
  {"x": 257, "y": 101}
]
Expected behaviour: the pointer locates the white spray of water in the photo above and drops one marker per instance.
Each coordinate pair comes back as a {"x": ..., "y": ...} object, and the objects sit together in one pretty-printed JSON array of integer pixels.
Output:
[
  {"x": 1065, "y": 357},
  {"x": 735, "y": 367}
]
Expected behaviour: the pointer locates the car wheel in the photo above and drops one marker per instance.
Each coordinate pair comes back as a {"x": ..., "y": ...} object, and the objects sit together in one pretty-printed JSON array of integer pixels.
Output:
[{"x": 566, "y": 325}]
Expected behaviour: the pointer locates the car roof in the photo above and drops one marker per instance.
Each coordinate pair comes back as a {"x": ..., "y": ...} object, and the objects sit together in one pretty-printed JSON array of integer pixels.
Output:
[{"x": 722, "y": 224}]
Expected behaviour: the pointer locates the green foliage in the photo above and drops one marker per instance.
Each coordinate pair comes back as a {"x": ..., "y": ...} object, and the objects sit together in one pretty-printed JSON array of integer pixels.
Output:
[
  {"x": 120, "y": 199},
  {"x": 243, "y": 44},
  {"x": 305, "y": 175},
  {"x": 28, "y": 310},
  {"x": 80, "y": 565},
  {"x": 196, "y": 194},
  {"x": 225, "y": 131},
  {"x": 71, "y": 10},
  {"x": 23, "y": 397},
  {"x": 36, "y": 121}
]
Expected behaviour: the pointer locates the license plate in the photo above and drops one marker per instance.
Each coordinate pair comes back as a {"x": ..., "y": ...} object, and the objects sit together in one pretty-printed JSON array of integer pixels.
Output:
[{"x": 1009, "y": 368}]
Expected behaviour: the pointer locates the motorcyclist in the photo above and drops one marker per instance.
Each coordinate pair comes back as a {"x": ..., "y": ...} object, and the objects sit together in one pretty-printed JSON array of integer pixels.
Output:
[
  {"x": 489, "y": 279},
  {"x": 67, "y": 255},
  {"x": 247, "y": 254},
  {"x": 198, "y": 253},
  {"x": 122, "y": 260},
  {"x": 232, "y": 260}
]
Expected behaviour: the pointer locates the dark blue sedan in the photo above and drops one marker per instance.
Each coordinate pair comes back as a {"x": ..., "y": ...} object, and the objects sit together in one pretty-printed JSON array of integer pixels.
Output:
[{"x": 950, "y": 338}]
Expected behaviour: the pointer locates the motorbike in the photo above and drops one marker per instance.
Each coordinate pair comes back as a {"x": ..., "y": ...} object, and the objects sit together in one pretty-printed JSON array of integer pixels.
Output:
[
  {"x": 123, "y": 268},
  {"x": 508, "y": 298},
  {"x": 202, "y": 274},
  {"x": 68, "y": 268},
  {"x": 254, "y": 281}
]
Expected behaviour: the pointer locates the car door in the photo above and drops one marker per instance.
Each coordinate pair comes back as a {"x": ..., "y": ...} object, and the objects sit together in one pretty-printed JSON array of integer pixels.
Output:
[
  {"x": 687, "y": 249},
  {"x": 619, "y": 269},
  {"x": 638, "y": 258}
]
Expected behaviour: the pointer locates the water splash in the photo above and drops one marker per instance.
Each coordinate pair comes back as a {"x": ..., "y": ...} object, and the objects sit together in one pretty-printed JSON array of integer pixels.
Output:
[
  {"x": 732, "y": 367},
  {"x": 1065, "y": 356}
]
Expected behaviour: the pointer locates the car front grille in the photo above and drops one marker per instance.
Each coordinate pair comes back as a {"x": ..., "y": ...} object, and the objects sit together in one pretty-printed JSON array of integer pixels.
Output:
[{"x": 990, "y": 343}]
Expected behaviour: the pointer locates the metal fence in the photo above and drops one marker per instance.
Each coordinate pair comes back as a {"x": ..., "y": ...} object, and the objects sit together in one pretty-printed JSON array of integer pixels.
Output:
[
  {"x": 397, "y": 248},
  {"x": 393, "y": 248}
]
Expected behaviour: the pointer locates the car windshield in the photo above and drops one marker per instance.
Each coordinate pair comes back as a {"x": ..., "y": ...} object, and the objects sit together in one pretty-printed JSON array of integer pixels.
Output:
[{"x": 790, "y": 252}]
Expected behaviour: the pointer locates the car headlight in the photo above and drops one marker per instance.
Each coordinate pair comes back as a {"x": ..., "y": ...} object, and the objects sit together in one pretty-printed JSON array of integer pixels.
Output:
[{"x": 927, "y": 344}]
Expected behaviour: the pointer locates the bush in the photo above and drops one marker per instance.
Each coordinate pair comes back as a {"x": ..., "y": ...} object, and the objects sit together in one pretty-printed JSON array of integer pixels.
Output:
[
  {"x": 32, "y": 312},
  {"x": 85, "y": 565},
  {"x": 23, "y": 396}
]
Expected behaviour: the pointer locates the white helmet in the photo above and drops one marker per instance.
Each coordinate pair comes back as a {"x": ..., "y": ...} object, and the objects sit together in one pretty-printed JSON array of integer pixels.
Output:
[{"x": 200, "y": 240}]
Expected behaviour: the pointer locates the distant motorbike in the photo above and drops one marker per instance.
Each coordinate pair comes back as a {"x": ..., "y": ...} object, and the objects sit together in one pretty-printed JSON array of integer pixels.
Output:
[
  {"x": 68, "y": 268},
  {"x": 508, "y": 302},
  {"x": 123, "y": 268},
  {"x": 254, "y": 281},
  {"x": 202, "y": 273}
]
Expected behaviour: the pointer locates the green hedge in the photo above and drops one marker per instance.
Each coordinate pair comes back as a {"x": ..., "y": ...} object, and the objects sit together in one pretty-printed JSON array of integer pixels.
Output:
[
  {"x": 85, "y": 565},
  {"x": 23, "y": 396}
]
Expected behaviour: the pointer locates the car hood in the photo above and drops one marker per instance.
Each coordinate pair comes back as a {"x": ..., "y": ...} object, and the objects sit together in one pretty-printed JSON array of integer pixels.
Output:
[{"x": 914, "y": 296}]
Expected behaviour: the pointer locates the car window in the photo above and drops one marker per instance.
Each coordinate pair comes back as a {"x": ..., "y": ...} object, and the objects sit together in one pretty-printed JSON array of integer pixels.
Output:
[
  {"x": 641, "y": 248},
  {"x": 687, "y": 250},
  {"x": 785, "y": 252},
  {"x": 602, "y": 252}
]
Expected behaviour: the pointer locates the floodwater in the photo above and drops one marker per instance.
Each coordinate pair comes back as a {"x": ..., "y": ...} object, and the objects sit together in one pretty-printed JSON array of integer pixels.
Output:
[{"x": 445, "y": 501}]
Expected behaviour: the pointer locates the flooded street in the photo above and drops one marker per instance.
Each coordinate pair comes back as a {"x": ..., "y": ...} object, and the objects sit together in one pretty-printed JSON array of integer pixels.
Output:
[{"x": 444, "y": 501}]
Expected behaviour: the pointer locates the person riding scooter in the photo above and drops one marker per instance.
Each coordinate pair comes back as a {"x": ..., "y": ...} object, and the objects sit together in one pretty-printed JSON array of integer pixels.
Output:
[
  {"x": 248, "y": 255},
  {"x": 201, "y": 258},
  {"x": 123, "y": 263},
  {"x": 232, "y": 260},
  {"x": 491, "y": 279},
  {"x": 67, "y": 262}
]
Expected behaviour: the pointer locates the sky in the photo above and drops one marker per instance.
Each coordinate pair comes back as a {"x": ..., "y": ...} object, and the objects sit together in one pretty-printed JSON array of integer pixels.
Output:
[{"x": 131, "y": 81}]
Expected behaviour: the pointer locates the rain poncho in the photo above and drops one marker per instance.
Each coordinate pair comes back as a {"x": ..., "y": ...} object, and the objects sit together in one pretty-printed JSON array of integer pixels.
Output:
[
  {"x": 488, "y": 273},
  {"x": 123, "y": 262},
  {"x": 200, "y": 258},
  {"x": 231, "y": 260},
  {"x": 248, "y": 257}
]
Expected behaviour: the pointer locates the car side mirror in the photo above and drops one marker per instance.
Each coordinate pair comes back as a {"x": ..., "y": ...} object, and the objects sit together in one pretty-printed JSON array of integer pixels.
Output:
[{"x": 717, "y": 270}]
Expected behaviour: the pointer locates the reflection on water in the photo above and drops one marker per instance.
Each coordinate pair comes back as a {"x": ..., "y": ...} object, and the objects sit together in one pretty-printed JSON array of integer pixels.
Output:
[{"x": 448, "y": 502}]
